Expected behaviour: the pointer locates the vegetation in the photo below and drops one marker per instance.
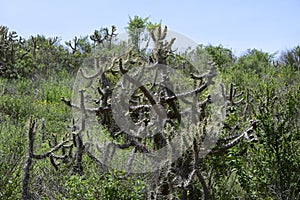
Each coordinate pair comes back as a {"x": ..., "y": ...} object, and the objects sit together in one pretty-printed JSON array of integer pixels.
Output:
[{"x": 43, "y": 154}]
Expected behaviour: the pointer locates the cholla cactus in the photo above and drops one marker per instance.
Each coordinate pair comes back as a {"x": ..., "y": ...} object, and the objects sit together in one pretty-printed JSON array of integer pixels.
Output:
[
  {"x": 162, "y": 47},
  {"x": 178, "y": 173}
]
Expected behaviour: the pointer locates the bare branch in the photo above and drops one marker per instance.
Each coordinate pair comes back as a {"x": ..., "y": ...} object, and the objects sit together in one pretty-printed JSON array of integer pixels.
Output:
[{"x": 47, "y": 154}]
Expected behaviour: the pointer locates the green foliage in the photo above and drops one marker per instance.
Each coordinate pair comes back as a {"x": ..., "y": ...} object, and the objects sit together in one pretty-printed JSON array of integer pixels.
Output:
[
  {"x": 137, "y": 23},
  {"x": 291, "y": 57},
  {"x": 109, "y": 186},
  {"x": 277, "y": 98},
  {"x": 14, "y": 101},
  {"x": 38, "y": 55},
  {"x": 12, "y": 151},
  {"x": 221, "y": 56},
  {"x": 79, "y": 188},
  {"x": 135, "y": 29},
  {"x": 114, "y": 187},
  {"x": 269, "y": 168},
  {"x": 255, "y": 61}
]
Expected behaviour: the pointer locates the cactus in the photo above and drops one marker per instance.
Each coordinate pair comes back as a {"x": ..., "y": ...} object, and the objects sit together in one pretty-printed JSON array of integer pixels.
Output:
[
  {"x": 187, "y": 166},
  {"x": 177, "y": 174}
]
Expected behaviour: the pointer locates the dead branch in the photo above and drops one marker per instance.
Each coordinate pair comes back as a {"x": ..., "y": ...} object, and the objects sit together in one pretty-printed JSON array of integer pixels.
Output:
[
  {"x": 28, "y": 162},
  {"x": 236, "y": 139}
]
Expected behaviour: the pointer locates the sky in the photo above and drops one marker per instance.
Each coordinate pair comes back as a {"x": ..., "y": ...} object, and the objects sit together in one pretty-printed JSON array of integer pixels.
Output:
[{"x": 268, "y": 25}]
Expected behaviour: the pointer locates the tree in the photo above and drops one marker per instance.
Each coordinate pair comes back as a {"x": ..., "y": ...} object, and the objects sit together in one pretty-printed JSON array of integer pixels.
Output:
[
  {"x": 135, "y": 29},
  {"x": 291, "y": 57},
  {"x": 255, "y": 61},
  {"x": 221, "y": 56}
]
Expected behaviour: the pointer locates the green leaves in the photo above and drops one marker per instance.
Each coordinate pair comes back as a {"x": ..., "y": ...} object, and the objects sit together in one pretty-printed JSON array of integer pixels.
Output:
[
  {"x": 274, "y": 101},
  {"x": 110, "y": 186},
  {"x": 291, "y": 57},
  {"x": 221, "y": 56},
  {"x": 137, "y": 23}
]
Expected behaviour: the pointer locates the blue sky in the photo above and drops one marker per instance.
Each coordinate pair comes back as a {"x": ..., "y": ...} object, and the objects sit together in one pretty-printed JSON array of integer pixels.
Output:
[{"x": 267, "y": 25}]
